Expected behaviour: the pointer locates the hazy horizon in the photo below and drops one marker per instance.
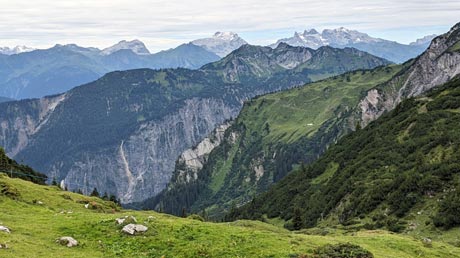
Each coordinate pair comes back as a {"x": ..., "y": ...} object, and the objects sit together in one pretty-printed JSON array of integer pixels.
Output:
[{"x": 164, "y": 24}]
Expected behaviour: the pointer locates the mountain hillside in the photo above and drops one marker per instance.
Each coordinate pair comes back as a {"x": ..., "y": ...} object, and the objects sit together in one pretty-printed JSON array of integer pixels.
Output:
[
  {"x": 271, "y": 133},
  {"x": 400, "y": 173},
  {"x": 277, "y": 132},
  {"x": 342, "y": 37},
  {"x": 123, "y": 132},
  {"x": 55, "y": 70},
  {"x": 37, "y": 216}
]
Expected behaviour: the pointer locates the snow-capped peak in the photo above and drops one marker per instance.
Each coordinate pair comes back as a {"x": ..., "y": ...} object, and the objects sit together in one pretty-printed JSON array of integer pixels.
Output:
[
  {"x": 335, "y": 37},
  {"x": 227, "y": 35},
  {"x": 135, "y": 45},
  {"x": 15, "y": 50},
  {"x": 221, "y": 43}
]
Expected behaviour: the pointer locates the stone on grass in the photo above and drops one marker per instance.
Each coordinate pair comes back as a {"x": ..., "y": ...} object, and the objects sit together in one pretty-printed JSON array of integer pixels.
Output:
[
  {"x": 3, "y": 246},
  {"x": 132, "y": 229},
  {"x": 5, "y": 229},
  {"x": 126, "y": 220},
  {"x": 67, "y": 241}
]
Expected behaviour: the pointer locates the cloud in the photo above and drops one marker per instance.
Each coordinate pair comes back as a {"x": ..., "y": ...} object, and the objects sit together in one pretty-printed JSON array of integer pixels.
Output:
[{"x": 163, "y": 24}]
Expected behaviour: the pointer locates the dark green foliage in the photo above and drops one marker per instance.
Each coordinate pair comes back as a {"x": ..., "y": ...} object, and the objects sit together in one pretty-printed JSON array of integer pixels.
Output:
[
  {"x": 94, "y": 193},
  {"x": 13, "y": 169},
  {"x": 394, "y": 163},
  {"x": 346, "y": 250},
  {"x": 449, "y": 210}
]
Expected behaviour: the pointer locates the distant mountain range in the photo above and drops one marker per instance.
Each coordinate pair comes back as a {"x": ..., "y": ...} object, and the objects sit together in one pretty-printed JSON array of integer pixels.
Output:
[
  {"x": 49, "y": 71},
  {"x": 342, "y": 37},
  {"x": 30, "y": 73}
]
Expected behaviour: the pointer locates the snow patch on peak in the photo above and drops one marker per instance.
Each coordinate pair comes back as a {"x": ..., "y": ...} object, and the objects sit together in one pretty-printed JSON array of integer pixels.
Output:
[
  {"x": 137, "y": 46},
  {"x": 15, "y": 50}
]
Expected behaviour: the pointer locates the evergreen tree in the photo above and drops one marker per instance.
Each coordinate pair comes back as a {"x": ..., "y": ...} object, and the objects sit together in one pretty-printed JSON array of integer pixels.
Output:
[
  {"x": 54, "y": 182},
  {"x": 297, "y": 222},
  {"x": 94, "y": 193}
]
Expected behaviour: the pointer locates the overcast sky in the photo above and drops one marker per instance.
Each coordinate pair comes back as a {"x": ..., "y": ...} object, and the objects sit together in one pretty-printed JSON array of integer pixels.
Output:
[{"x": 163, "y": 24}]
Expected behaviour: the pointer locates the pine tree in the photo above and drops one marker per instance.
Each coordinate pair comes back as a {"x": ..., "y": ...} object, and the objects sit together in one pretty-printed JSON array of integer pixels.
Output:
[
  {"x": 54, "y": 182},
  {"x": 297, "y": 219},
  {"x": 94, "y": 193}
]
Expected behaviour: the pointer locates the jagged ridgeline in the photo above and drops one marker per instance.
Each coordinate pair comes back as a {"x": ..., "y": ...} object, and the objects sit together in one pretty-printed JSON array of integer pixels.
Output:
[
  {"x": 15, "y": 170},
  {"x": 123, "y": 132},
  {"x": 275, "y": 133},
  {"x": 400, "y": 172}
]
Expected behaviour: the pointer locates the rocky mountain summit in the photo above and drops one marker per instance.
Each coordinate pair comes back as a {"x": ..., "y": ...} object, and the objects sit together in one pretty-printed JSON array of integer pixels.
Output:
[
  {"x": 343, "y": 37},
  {"x": 221, "y": 43}
]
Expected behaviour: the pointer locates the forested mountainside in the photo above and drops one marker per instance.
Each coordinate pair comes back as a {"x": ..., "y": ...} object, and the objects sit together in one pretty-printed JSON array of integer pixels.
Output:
[
  {"x": 277, "y": 132},
  {"x": 123, "y": 132},
  {"x": 401, "y": 172},
  {"x": 55, "y": 70}
]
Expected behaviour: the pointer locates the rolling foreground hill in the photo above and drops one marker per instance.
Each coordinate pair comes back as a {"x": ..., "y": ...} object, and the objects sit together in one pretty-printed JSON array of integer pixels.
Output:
[
  {"x": 37, "y": 216},
  {"x": 277, "y": 132},
  {"x": 123, "y": 132}
]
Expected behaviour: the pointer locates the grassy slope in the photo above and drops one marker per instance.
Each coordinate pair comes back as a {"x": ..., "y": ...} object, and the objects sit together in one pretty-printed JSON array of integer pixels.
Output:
[
  {"x": 35, "y": 228},
  {"x": 298, "y": 112}
]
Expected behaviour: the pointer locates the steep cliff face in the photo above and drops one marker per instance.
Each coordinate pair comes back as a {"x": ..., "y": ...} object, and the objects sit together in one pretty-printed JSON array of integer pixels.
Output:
[
  {"x": 25, "y": 119},
  {"x": 437, "y": 65},
  {"x": 141, "y": 164}
]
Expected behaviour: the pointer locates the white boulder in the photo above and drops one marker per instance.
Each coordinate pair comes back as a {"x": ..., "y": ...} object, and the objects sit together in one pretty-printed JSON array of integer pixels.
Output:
[
  {"x": 5, "y": 229},
  {"x": 67, "y": 241},
  {"x": 132, "y": 229}
]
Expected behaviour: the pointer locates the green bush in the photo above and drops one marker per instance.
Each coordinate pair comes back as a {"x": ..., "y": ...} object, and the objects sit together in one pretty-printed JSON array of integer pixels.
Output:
[{"x": 345, "y": 250}]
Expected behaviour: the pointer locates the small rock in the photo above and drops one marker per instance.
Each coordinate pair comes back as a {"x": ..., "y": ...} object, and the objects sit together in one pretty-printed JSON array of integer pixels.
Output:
[
  {"x": 150, "y": 218},
  {"x": 40, "y": 202},
  {"x": 5, "y": 229},
  {"x": 67, "y": 241},
  {"x": 427, "y": 242},
  {"x": 120, "y": 220},
  {"x": 87, "y": 205},
  {"x": 3, "y": 246},
  {"x": 132, "y": 229}
]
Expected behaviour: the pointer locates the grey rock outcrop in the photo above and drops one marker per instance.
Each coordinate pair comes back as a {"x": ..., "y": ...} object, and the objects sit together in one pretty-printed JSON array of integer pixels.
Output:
[
  {"x": 438, "y": 64},
  {"x": 132, "y": 229}
]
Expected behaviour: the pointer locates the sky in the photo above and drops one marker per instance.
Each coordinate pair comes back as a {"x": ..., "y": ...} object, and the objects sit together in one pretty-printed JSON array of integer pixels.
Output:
[{"x": 164, "y": 24}]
